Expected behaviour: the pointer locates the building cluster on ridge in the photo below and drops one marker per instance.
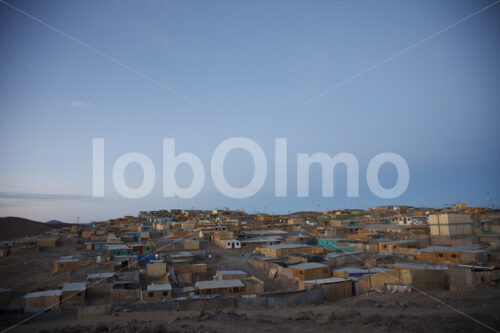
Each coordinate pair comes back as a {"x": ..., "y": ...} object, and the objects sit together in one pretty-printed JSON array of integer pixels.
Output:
[{"x": 179, "y": 257}]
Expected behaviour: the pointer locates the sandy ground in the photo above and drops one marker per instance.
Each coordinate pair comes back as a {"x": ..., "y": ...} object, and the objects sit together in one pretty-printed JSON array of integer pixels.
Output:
[
  {"x": 28, "y": 272},
  {"x": 411, "y": 312}
]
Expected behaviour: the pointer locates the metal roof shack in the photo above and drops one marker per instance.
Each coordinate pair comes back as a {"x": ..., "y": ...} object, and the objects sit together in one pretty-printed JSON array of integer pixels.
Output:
[
  {"x": 218, "y": 284},
  {"x": 463, "y": 248},
  {"x": 416, "y": 266},
  {"x": 310, "y": 271},
  {"x": 357, "y": 271},
  {"x": 466, "y": 254},
  {"x": 231, "y": 287}
]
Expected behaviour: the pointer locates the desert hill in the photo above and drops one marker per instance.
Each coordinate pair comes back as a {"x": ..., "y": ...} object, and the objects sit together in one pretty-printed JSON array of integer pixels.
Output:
[{"x": 12, "y": 227}]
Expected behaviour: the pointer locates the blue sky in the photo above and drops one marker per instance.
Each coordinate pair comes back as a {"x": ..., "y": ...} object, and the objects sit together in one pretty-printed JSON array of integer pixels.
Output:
[{"x": 250, "y": 64}]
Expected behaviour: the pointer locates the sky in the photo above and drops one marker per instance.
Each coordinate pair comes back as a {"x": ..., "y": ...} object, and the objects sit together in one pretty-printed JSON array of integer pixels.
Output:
[{"x": 136, "y": 72}]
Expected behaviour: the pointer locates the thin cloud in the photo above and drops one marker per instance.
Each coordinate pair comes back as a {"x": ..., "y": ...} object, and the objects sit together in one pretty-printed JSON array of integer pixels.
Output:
[{"x": 42, "y": 196}]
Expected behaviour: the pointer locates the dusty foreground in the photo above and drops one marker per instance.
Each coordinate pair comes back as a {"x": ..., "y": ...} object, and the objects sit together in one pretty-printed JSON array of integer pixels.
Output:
[{"x": 412, "y": 312}]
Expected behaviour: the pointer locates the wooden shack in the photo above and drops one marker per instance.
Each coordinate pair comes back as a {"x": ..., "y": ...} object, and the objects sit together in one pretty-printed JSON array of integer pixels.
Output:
[
  {"x": 230, "y": 275},
  {"x": 220, "y": 287},
  {"x": 74, "y": 293},
  {"x": 310, "y": 271},
  {"x": 156, "y": 268},
  {"x": 43, "y": 299},
  {"x": 333, "y": 288},
  {"x": 467, "y": 254},
  {"x": 156, "y": 293},
  {"x": 65, "y": 265}
]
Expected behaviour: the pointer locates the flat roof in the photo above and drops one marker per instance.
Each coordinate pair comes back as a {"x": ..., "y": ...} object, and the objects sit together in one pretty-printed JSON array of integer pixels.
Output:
[
  {"x": 351, "y": 269},
  {"x": 44, "y": 293},
  {"x": 264, "y": 232},
  {"x": 66, "y": 257},
  {"x": 214, "y": 284},
  {"x": 156, "y": 287},
  {"x": 67, "y": 260},
  {"x": 463, "y": 248},
  {"x": 341, "y": 254},
  {"x": 285, "y": 246},
  {"x": 112, "y": 247},
  {"x": 326, "y": 281},
  {"x": 308, "y": 265},
  {"x": 74, "y": 286},
  {"x": 104, "y": 275},
  {"x": 420, "y": 266},
  {"x": 181, "y": 254},
  {"x": 400, "y": 241},
  {"x": 229, "y": 272},
  {"x": 262, "y": 239}
]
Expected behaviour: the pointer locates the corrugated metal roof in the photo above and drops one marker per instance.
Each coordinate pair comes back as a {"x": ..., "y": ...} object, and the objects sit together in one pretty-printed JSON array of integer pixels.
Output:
[
  {"x": 229, "y": 272},
  {"x": 351, "y": 269},
  {"x": 44, "y": 293},
  {"x": 341, "y": 254},
  {"x": 104, "y": 275},
  {"x": 463, "y": 248},
  {"x": 326, "y": 281},
  {"x": 285, "y": 246},
  {"x": 74, "y": 286},
  {"x": 67, "y": 260},
  {"x": 262, "y": 239},
  {"x": 420, "y": 266},
  {"x": 308, "y": 265},
  {"x": 213, "y": 284}
]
